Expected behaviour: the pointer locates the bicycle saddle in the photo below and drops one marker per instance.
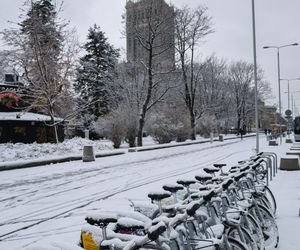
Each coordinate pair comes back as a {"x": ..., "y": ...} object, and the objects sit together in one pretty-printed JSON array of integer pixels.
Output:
[
  {"x": 203, "y": 177},
  {"x": 219, "y": 165},
  {"x": 210, "y": 170},
  {"x": 158, "y": 196},
  {"x": 102, "y": 219},
  {"x": 172, "y": 188},
  {"x": 186, "y": 182},
  {"x": 129, "y": 223}
]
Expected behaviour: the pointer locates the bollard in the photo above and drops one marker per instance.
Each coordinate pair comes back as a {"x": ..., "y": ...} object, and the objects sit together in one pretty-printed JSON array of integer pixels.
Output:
[
  {"x": 88, "y": 154},
  {"x": 86, "y": 134}
]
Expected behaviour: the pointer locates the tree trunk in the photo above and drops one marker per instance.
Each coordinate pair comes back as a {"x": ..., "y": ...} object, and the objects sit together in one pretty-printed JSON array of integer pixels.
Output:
[
  {"x": 238, "y": 125},
  {"x": 140, "y": 131},
  {"x": 193, "y": 126}
]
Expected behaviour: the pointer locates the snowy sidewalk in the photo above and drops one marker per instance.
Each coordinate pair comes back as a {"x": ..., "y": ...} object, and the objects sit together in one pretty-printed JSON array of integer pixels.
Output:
[{"x": 286, "y": 188}]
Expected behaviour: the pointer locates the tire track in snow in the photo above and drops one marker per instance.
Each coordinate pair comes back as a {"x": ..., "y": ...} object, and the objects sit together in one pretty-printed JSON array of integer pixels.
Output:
[
  {"x": 65, "y": 204},
  {"x": 142, "y": 182}
]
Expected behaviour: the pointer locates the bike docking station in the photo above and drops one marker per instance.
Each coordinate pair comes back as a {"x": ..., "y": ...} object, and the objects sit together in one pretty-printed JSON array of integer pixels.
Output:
[{"x": 201, "y": 212}]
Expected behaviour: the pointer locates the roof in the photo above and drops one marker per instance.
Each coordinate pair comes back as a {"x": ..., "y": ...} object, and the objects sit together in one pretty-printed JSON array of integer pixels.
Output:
[{"x": 24, "y": 116}]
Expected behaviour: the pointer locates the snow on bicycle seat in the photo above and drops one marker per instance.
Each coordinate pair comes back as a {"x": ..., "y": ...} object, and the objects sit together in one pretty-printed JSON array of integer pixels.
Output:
[
  {"x": 130, "y": 224},
  {"x": 155, "y": 231},
  {"x": 240, "y": 176},
  {"x": 203, "y": 177},
  {"x": 173, "y": 188},
  {"x": 209, "y": 196},
  {"x": 219, "y": 165},
  {"x": 243, "y": 169},
  {"x": 192, "y": 208},
  {"x": 210, "y": 170},
  {"x": 158, "y": 196},
  {"x": 219, "y": 179},
  {"x": 227, "y": 183},
  {"x": 186, "y": 182},
  {"x": 256, "y": 158},
  {"x": 101, "y": 219},
  {"x": 255, "y": 166},
  {"x": 233, "y": 170}
]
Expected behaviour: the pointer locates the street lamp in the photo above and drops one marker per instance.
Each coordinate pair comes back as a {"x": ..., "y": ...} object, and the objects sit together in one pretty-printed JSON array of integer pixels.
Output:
[
  {"x": 288, "y": 81},
  {"x": 278, "y": 64},
  {"x": 255, "y": 77},
  {"x": 293, "y": 101}
]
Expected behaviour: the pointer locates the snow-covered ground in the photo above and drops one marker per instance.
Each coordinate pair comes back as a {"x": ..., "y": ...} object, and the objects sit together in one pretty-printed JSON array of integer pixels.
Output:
[
  {"x": 44, "y": 204},
  {"x": 20, "y": 152}
]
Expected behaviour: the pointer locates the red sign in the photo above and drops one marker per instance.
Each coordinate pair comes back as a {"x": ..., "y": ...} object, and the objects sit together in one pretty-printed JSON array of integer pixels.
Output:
[{"x": 8, "y": 99}]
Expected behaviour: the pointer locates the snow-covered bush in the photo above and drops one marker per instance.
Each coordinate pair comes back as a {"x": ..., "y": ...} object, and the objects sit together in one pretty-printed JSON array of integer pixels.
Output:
[
  {"x": 111, "y": 127},
  {"x": 206, "y": 124},
  {"x": 161, "y": 129},
  {"x": 182, "y": 132},
  {"x": 118, "y": 125}
]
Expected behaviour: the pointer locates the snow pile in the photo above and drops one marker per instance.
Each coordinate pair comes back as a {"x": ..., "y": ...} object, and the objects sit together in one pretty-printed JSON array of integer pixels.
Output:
[{"x": 21, "y": 151}]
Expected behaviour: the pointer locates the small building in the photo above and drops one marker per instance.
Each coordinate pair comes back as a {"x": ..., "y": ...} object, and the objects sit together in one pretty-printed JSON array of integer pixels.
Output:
[
  {"x": 17, "y": 125},
  {"x": 27, "y": 127}
]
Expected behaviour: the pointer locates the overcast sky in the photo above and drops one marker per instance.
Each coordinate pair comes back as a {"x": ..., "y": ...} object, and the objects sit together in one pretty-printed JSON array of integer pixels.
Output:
[{"x": 277, "y": 23}]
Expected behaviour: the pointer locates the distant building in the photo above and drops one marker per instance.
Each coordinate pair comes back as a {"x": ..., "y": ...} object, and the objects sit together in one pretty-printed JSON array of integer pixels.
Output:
[
  {"x": 268, "y": 116},
  {"x": 138, "y": 15}
]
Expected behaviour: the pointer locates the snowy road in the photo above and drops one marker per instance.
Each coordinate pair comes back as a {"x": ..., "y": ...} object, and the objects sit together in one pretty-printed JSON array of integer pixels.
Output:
[{"x": 49, "y": 203}]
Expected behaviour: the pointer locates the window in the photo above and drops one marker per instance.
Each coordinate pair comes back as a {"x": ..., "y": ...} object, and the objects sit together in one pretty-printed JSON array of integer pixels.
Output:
[{"x": 20, "y": 131}]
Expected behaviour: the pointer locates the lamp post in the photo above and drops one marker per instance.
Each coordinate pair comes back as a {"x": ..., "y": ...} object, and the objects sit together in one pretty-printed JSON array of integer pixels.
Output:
[
  {"x": 288, "y": 81},
  {"x": 255, "y": 77},
  {"x": 278, "y": 65}
]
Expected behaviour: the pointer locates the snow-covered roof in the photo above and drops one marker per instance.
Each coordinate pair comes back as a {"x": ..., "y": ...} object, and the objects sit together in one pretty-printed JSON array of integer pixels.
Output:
[{"x": 24, "y": 116}]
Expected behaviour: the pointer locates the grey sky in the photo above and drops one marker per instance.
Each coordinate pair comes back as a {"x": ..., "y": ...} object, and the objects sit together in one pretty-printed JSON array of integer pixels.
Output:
[{"x": 277, "y": 24}]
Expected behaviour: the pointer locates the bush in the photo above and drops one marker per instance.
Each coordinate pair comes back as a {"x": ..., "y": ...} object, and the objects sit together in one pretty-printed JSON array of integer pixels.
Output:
[
  {"x": 206, "y": 125},
  {"x": 162, "y": 129},
  {"x": 111, "y": 127},
  {"x": 182, "y": 132}
]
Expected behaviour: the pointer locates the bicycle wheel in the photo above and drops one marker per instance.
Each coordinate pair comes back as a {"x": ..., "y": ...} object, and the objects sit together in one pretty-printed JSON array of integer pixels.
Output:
[
  {"x": 268, "y": 225},
  {"x": 256, "y": 231},
  {"x": 271, "y": 199},
  {"x": 249, "y": 241},
  {"x": 235, "y": 244}
]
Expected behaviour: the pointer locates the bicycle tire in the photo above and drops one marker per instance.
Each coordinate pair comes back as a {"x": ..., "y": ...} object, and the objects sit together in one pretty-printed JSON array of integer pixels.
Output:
[
  {"x": 250, "y": 242},
  {"x": 256, "y": 231},
  {"x": 235, "y": 244},
  {"x": 271, "y": 199},
  {"x": 268, "y": 225}
]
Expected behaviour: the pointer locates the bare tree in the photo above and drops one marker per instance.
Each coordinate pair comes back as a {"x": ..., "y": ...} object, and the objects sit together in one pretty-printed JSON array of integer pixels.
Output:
[
  {"x": 241, "y": 81},
  {"x": 45, "y": 51},
  {"x": 149, "y": 33},
  {"x": 191, "y": 26}
]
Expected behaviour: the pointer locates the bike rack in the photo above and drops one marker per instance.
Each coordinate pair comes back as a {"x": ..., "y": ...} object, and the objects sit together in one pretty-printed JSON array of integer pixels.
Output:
[{"x": 275, "y": 160}]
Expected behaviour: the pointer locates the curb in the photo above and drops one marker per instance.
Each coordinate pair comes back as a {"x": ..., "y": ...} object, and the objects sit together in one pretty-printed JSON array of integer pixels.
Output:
[
  {"x": 141, "y": 149},
  {"x": 38, "y": 163}
]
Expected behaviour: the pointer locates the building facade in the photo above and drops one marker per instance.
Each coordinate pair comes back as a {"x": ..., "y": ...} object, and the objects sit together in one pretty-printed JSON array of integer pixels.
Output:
[{"x": 150, "y": 21}]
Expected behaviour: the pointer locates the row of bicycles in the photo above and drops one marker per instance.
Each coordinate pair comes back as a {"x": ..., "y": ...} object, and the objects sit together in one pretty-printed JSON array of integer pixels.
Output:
[{"x": 222, "y": 207}]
